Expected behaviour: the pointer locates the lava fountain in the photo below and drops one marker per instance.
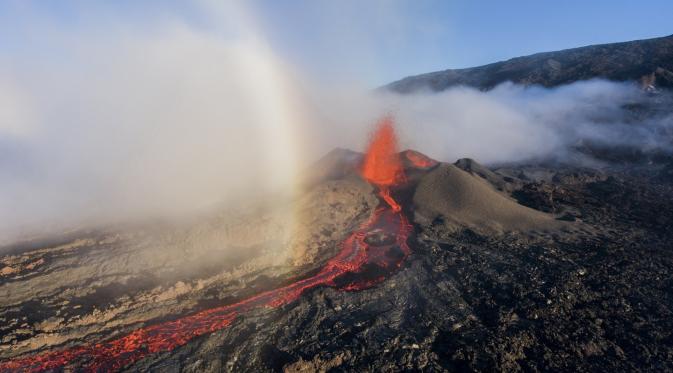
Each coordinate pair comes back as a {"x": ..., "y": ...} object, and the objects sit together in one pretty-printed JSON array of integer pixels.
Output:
[
  {"x": 382, "y": 166},
  {"x": 371, "y": 253}
]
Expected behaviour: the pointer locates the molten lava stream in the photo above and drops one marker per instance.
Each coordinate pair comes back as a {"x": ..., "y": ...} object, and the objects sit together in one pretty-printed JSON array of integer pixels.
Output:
[
  {"x": 353, "y": 260},
  {"x": 357, "y": 266},
  {"x": 385, "y": 194}
]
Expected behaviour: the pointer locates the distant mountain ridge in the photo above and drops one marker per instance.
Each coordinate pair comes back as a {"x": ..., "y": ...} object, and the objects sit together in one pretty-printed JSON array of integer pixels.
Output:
[{"x": 648, "y": 61}]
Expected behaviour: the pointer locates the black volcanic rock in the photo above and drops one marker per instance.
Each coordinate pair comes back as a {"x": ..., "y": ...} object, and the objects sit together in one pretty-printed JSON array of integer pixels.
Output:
[
  {"x": 593, "y": 298},
  {"x": 648, "y": 61},
  {"x": 464, "y": 301}
]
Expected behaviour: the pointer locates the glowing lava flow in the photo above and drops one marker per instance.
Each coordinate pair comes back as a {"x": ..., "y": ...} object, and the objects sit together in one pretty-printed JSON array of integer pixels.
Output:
[{"x": 368, "y": 255}]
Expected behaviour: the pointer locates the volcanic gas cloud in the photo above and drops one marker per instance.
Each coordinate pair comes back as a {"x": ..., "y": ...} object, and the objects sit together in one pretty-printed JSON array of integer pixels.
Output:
[{"x": 370, "y": 254}]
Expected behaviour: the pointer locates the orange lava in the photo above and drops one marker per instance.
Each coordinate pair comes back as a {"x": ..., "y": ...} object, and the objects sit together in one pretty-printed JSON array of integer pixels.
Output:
[
  {"x": 351, "y": 269},
  {"x": 419, "y": 160},
  {"x": 382, "y": 165},
  {"x": 384, "y": 192},
  {"x": 357, "y": 266}
]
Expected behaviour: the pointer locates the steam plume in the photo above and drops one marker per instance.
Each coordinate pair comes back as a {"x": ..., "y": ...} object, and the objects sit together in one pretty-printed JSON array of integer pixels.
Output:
[{"x": 159, "y": 119}]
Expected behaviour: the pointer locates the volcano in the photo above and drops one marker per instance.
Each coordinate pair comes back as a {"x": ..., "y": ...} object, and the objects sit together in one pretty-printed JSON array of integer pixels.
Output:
[
  {"x": 397, "y": 261},
  {"x": 367, "y": 256}
]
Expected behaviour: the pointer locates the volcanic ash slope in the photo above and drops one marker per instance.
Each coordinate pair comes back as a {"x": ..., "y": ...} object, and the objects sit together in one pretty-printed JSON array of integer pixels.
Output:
[{"x": 460, "y": 199}]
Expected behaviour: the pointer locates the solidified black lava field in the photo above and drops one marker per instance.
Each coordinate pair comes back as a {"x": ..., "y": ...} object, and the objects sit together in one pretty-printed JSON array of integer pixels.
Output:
[
  {"x": 465, "y": 301},
  {"x": 586, "y": 284}
]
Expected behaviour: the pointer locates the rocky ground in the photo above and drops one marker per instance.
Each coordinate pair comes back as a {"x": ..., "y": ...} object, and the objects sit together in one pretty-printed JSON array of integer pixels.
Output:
[{"x": 594, "y": 297}]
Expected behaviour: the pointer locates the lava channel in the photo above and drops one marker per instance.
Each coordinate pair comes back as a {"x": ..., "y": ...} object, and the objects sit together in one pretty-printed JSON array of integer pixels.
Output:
[
  {"x": 372, "y": 252},
  {"x": 357, "y": 266}
]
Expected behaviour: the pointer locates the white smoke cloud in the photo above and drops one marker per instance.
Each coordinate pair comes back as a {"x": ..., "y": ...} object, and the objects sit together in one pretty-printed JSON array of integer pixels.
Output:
[
  {"x": 510, "y": 123},
  {"x": 126, "y": 121},
  {"x": 141, "y": 120}
]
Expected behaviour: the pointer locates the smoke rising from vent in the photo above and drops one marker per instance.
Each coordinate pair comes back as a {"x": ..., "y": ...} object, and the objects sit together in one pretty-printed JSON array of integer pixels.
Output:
[{"x": 122, "y": 122}]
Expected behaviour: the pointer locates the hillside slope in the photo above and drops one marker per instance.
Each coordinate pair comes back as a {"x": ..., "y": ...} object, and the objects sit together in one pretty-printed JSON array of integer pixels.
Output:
[{"x": 648, "y": 61}]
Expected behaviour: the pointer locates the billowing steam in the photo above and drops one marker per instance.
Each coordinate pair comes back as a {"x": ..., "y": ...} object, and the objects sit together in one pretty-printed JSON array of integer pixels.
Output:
[
  {"x": 124, "y": 123},
  {"x": 127, "y": 121},
  {"x": 513, "y": 123}
]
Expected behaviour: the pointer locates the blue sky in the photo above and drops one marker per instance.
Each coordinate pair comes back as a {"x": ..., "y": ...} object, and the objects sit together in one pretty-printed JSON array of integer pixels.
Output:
[
  {"x": 370, "y": 41},
  {"x": 422, "y": 36}
]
